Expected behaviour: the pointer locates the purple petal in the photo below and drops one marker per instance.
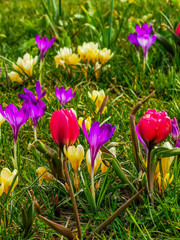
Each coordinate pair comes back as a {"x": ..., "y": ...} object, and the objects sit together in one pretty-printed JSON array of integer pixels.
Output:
[
  {"x": 152, "y": 39},
  {"x": 141, "y": 140},
  {"x": 84, "y": 130}
]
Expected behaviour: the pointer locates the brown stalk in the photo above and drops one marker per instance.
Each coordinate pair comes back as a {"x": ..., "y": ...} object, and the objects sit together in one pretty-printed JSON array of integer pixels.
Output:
[
  {"x": 73, "y": 200},
  {"x": 135, "y": 143},
  {"x": 59, "y": 228}
]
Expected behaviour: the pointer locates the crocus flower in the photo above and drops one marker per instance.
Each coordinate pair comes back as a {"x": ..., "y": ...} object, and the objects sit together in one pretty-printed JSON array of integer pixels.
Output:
[
  {"x": 16, "y": 118},
  {"x": 2, "y": 119},
  {"x": 97, "y": 161},
  {"x": 175, "y": 130},
  {"x": 14, "y": 77},
  {"x": 65, "y": 56},
  {"x": 133, "y": 39},
  {"x": 43, "y": 174},
  {"x": 30, "y": 97},
  {"x": 43, "y": 44},
  {"x": 87, "y": 122},
  {"x": 178, "y": 30},
  {"x": 105, "y": 55},
  {"x": 154, "y": 127},
  {"x": 89, "y": 52},
  {"x": 144, "y": 29},
  {"x": 64, "y": 96},
  {"x": 25, "y": 65},
  {"x": 178, "y": 143},
  {"x": 64, "y": 127},
  {"x": 6, "y": 179},
  {"x": 98, "y": 136},
  {"x": 165, "y": 164},
  {"x": 146, "y": 41},
  {"x": 75, "y": 155},
  {"x": 98, "y": 98},
  {"x": 36, "y": 111}
]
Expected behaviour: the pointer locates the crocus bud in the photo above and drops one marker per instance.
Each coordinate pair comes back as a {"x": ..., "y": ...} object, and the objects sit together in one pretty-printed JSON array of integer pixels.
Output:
[
  {"x": 64, "y": 127},
  {"x": 75, "y": 155},
  {"x": 154, "y": 127},
  {"x": 174, "y": 130},
  {"x": 178, "y": 30},
  {"x": 96, "y": 163}
]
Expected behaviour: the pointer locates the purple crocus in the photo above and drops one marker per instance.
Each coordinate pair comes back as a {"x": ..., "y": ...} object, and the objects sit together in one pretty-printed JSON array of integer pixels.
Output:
[
  {"x": 30, "y": 97},
  {"x": 144, "y": 29},
  {"x": 64, "y": 96},
  {"x": 35, "y": 113},
  {"x": 133, "y": 39},
  {"x": 98, "y": 136},
  {"x": 175, "y": 130},
  {"x": 141, "y": 140},
  {"x": 43, "y": 44},
  {"x": 146, "y": 41},
  {"x": 16, "y": 118},
  {"x": 178, "y": 143}
]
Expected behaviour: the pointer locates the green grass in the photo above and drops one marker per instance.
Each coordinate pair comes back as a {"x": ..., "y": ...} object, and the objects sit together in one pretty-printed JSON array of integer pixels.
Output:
[{"x": 125, "y": 83}]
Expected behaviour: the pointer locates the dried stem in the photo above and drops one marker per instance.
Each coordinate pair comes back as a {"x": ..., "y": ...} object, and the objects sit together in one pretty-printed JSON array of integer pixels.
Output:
[{"x": 73, "y": 200}]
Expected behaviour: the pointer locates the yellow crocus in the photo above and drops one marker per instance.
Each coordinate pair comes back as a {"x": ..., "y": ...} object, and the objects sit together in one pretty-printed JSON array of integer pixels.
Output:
[
  {"x": 104, "y": 167},
  {"x": 105, "y": 55},
  {"x": 75, "y": 155},
  {"x": 45, "y": 175},
  {"x": 97, "y": 162},
  {"x": 89, "y": 51},
  {"x": 6, "y": 179},
  {"x": 14, "y": 77},
  {"x": 2, "y": 119},
  {"x": 98, "y": 97},
  {"x": 165, "y": 164},
  {"x": 87, "y": 122},
  {"x": 66, "y": 57},
  {"x": 25, "y": 64}
]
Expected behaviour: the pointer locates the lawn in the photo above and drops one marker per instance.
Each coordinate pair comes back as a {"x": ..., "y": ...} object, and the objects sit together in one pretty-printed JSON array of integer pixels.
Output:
[{"x": 56, "y": 190}]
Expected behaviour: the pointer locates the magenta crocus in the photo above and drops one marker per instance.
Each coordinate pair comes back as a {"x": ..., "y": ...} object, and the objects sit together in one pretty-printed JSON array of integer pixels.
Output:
[
  {"x": 30, "y": 97},
  {"x": 16, "y": 118},
  {"x": 175, "y": 130},
  {"x": 98, "y": 136},
  {"x": 144, "y": 29},
  {"x": 133, "y": 39},
  {"x": 64, "y": 96},
  {"x": 43, "y": 44}
]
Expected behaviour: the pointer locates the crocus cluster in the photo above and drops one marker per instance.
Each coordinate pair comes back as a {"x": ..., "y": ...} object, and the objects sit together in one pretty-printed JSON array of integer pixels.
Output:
[{"x": 142, "y": 37}]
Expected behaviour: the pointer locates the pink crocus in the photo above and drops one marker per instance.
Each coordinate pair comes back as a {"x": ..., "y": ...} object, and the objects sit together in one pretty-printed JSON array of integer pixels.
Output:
[
  {"x": 64, "y": 127},
  {"x": 154, "y": 127}
]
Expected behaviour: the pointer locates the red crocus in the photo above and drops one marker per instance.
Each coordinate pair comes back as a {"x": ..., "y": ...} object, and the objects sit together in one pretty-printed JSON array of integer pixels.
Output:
[
  {"x": 178, "y": 30},
  {"x": 64, "y": 127},
  {"x": 154, "y": 127}
]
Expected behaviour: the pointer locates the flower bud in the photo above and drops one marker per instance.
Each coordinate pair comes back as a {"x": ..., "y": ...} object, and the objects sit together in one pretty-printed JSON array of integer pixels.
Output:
[
  {"x": 64, "y": 127},
  {"x": 96, "y": 163},
  {"x": 174, "y": 130},
  {"x": 154, "y": 127},
  {"x": 75, "y": 156}
]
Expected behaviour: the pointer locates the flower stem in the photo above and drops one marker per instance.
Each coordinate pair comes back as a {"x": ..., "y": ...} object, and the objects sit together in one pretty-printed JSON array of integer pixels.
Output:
[
  {"x": 92, "y": 186},
  {"x": 15, "y": 155},
  {"x": 73, "y": 200},
  {"x": 35, "y": 134},
  {"x": 149, "y": 176}
]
